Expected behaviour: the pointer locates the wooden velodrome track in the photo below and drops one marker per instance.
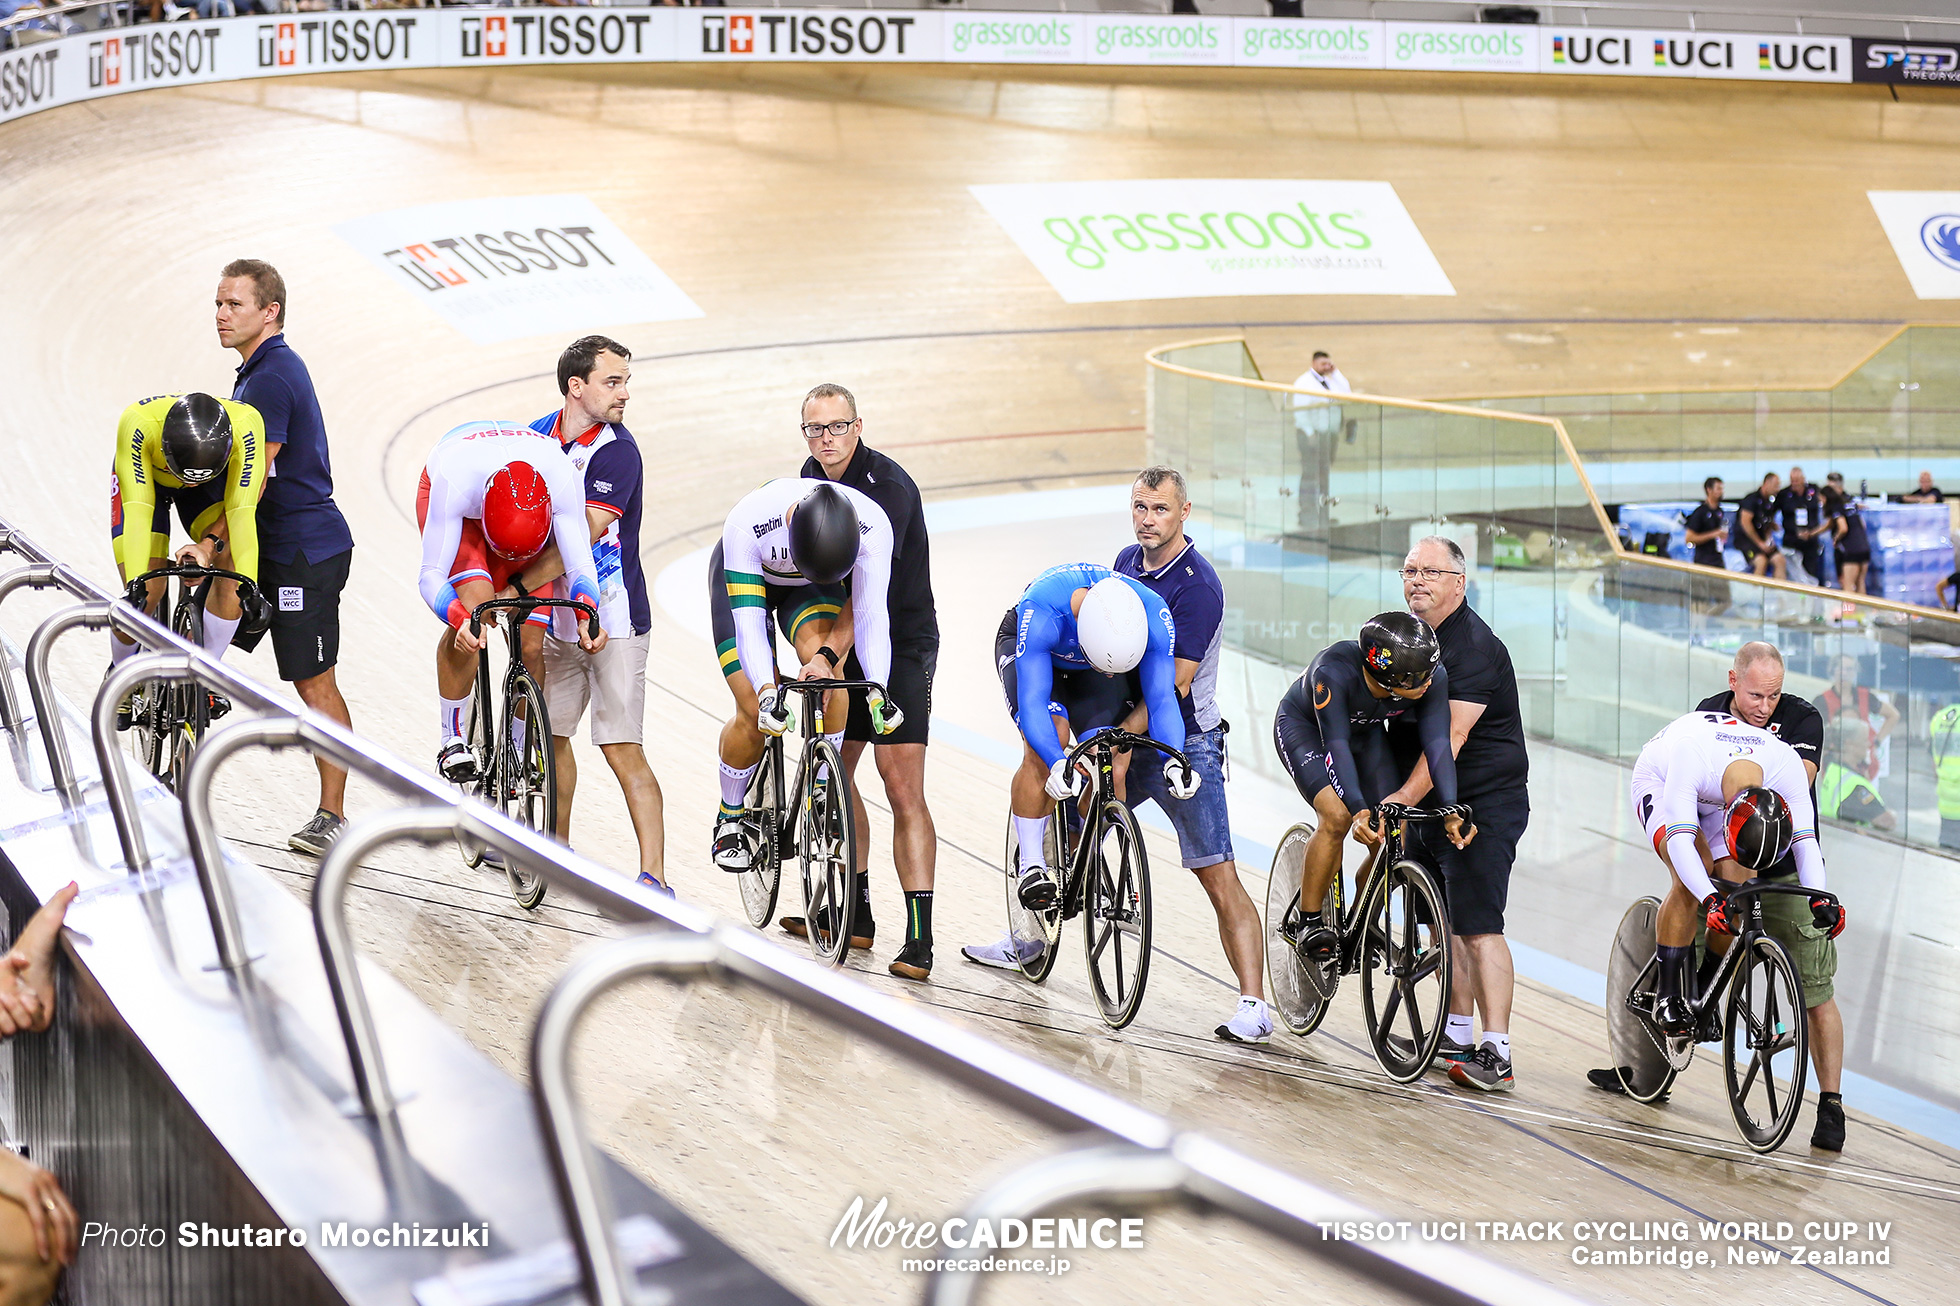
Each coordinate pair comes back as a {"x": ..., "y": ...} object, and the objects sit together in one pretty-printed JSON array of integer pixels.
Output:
[{"x": 1600, "y": 235}]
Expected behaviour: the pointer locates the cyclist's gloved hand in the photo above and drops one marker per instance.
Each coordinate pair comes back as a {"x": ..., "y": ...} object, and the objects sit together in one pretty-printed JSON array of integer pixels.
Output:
[
  {"x": 1063, "y": 781},
  {"x": 1181, "y": 779},
  {"x": 771, "y": 712},
  {"x": 885, "y": 716},
  {"x": 1715, "y": 910},
  {"x": 1827, "y": 916},
  {"x": 256, "y": 612},
  {"x": 137, "y": 594}
]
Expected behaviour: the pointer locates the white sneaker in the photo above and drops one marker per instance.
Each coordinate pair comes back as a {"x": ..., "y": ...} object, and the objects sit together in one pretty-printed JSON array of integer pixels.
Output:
[
  {"x": 1251, "y": 1023},
  {"x": 1001, "y": 955}
]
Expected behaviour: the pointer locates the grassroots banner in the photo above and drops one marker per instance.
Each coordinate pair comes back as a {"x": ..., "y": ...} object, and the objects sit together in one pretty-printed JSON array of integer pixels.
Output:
[
  {"x": 1462, "y": 47},
  {"x": 1010, "y": 37},
  {"x": 1724, "y": 55},
  {"x": 1098, "y": 241},
  {"x": 1924, "y": 228},
  {"x": 1936, "y": 62},
  {"x": 503, "y": 269},
  {"x": 1148, "y": 39},
  {"x": 1306, "y": 43}
]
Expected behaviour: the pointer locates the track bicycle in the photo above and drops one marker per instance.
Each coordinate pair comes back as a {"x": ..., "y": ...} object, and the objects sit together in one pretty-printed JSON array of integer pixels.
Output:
[
  {"x": 1395, "y": 932},
  {"x": 1096, "y": 853},
  {"x": 168, "y": 718},
  {"x": 820, "y": 831},
  {"x": 1765, "y": 1027},
  {"x": 517, "y": 773}
]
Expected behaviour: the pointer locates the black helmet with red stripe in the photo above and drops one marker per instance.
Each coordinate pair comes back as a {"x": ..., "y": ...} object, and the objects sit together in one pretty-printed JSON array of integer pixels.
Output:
[{"x": 1758, "y": 827}]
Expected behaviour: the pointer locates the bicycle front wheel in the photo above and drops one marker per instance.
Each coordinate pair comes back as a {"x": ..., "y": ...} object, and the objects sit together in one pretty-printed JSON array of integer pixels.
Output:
[
  {"x": 1297, "y": 997},
  {"x": 1405, "y": 970},
  {"x": 1034, "y": 934},
  {"x": 1766, "y": 1036},
  {"x": 826, "y": 852},
  {"x": 1116, "y": 917},
  {"x": 527, "y": 779},
  {"x": 763, "y": 818},
  {"x": 192, "y": 715}
]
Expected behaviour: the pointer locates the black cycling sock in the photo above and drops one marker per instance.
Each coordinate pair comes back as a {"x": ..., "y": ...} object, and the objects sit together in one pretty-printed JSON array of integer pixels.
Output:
[
  {"x": 1711, "y": 961},
  {"x": 1673, "y": 963},
  {"x": 1830, "y": 1097},
  {"x": 918, "y": 916},
  {"x": 1312, "y": 920}
]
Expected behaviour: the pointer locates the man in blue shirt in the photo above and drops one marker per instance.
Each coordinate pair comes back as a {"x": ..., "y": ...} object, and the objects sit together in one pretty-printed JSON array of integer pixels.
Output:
[
  {"x": 1164, "y": 559},
  {"x": 592, "y": 375},
  {"x": 305, "y": 547}
]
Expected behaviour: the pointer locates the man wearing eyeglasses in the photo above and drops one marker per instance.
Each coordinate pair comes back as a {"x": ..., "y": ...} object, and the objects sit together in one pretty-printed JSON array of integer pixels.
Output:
[
  {"x": 833, "y": 431},
  {"x": 1487, "y": 736}
]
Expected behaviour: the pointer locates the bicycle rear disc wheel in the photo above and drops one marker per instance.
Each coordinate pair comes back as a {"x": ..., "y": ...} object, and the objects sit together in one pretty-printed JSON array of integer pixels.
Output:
[
  {"x": 826, "y": 852},
  {"x": 762, "y": 819},
  {"x": 1405, "y": 970},
  {"x": 1639, "y": 1048},
  {"x": 1296, "y": 997},
  {"x": 1034, "y": 935},
  {"x": 1116, "y": 917},
  {"x": 527, "y": 780},
  {"x": 1765, "y": 1036}
]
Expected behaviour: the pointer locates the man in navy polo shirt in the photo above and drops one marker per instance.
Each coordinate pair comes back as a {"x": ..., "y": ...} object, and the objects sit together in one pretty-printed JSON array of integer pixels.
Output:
[
  {"x": 592, "y": 375},
  {"x": 1164, "y": 559},
  {"x": 305, "y": 547}
]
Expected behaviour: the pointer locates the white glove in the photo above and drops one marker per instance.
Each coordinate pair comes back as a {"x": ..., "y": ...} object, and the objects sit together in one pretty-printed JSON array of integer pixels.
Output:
[
  {"x": 771, "y": 714},
  {"x": 1063, "y": 781},
  {"x": 1182, "y": 780}
]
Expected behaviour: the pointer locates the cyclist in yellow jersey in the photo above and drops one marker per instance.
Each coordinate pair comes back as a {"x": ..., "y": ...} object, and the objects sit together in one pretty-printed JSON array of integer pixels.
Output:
[{"x": 206, "y": 458}]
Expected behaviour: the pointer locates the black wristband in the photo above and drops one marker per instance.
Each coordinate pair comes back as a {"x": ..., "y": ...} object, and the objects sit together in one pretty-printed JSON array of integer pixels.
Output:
[
  {"x": 825, "y": 650},
  {"x": 517, "y": 583}
]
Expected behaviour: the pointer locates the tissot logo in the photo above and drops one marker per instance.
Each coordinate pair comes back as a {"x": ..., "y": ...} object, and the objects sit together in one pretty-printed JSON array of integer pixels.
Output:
[
  {"x": 328, "y": 42},
  {"x": 27, "y": 79},
  {"x": 791, "y": 35},
  {"x": 468, "y": 260},
  {"x": 521, "y": 36},
  {"x": 139, "y": 58}
]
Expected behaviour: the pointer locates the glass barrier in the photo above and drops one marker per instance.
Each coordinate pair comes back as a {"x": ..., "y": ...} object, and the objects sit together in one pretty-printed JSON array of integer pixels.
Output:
[{"x": 1308, "y": 507}]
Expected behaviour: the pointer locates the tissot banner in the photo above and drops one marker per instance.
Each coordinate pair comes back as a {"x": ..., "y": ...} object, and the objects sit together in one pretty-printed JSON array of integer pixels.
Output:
[
  {"x": 1097, "y": 241},
  {"x": 503, "y": 269}
]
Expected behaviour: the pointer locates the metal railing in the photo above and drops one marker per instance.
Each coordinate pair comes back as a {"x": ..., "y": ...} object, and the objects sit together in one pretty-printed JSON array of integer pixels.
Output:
[{"x": 1134, "y": 1155}]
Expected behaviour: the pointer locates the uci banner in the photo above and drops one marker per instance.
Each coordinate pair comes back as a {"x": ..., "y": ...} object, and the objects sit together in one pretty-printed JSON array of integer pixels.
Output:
[{"x": 63, "y": 70}]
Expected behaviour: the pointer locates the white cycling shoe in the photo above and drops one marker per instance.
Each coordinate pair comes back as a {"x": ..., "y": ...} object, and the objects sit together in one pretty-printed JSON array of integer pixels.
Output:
[
  {"x": 456, "y": 762},
  {"x": 1251, "y": 1023}
]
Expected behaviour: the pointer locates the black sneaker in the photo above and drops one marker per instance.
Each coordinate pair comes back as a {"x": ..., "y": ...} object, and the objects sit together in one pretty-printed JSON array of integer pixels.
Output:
[
  {"x": 1609, "y": 1080},
  {"x": 1037, "y": 890},
  {"x": 914, "y": 960},
  {"x": 318, "y": 834},
  {"x": 866, "y": 930},
  {"x": 1485, "y": 1070},
  {"x": 1829, "y": 1134}
]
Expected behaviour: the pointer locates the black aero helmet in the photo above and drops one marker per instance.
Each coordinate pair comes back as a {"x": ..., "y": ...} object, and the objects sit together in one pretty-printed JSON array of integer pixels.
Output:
[
  {"x": 1759, "y": 827},
  {"x": 823, "y": 535},
  {"x": 196, "y": 438},
  {"x": 1399, "y": 650}
]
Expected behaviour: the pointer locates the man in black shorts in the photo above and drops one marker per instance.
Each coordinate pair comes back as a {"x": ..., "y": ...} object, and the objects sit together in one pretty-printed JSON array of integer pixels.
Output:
[
  {"x": 834, "y": 432},
  {"x": 1707, "y": 529},
  {"x": 1854, "y": 545},
  {"x": 1805, "y": 523},
  {"x": 305, "y": 548},
  {"x": 1755, "y": 517},
  {"x": 1487, "y": 737},
  {"x": 1331, "y": 732}
]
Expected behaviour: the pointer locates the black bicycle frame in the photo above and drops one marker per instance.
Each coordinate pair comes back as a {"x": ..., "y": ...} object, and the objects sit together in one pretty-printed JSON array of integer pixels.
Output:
[
  {"x": 1752, "y": 927},
  {"x": 1101, "y": 749}
]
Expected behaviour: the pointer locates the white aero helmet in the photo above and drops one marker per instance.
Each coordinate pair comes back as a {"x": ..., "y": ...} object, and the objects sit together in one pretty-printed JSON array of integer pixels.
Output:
[{"x": 1112, "y": 627}]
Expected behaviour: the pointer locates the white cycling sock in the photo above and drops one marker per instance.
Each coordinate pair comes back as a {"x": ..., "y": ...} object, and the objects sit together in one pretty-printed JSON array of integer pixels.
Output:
[
  {"x": 452, "y": 717},
  {"x": 1502, "y": 1042},
  {"x": 120, "y": 652},
  {"x": 218, "y": 632},
  {"x": 1458, "y": 1028},
  {"x": 1031, "y": 832},
  {"x": 735, "y": 785}
]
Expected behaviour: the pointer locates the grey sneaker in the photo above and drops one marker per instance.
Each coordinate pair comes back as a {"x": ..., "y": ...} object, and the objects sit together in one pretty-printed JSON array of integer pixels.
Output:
[
  {"x": 1485, "y": 1070},
  {"x": 1451, "y": 1051},
  {"x": 318, "y": 834}
]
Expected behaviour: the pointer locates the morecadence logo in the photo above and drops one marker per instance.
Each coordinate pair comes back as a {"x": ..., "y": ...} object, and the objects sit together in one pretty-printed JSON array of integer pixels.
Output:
[{"x": 1118, "y": 240}]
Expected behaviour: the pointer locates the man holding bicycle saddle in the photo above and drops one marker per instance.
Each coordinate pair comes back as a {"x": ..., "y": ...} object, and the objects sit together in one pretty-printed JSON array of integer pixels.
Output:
[
  {"x": 1331, "y": 732},
  {"x": 785, "y": 551},
  {"x": 1715, "y": 794},
  {"x": 204, "y": 457},
  {"x": 493, "y": 496},
  {"x": 1066, "y": 653}
]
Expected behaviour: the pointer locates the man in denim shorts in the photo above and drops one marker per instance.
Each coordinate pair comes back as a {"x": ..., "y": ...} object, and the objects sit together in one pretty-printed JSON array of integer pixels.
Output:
[{"x": 1164, "y": 559}]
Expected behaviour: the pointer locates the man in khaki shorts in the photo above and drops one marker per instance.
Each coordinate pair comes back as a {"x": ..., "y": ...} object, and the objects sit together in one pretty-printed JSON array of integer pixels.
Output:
[{"x": 592, "y": 375}]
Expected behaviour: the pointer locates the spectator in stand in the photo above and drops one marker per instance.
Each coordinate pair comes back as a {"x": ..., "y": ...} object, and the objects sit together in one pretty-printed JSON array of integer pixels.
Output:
[
  {"x": 1926, "y": 493},
  {"x": 1854, "y": 547},
  {"x": 1951, "y": 602},
  {"x": 1316, "y": 422},
  {"x": 1857, "y": 721},
  {"x": 1756, "y": 515},
  {"x": 1707, "y": 533},
  {"x": 1804, "y": 524}
]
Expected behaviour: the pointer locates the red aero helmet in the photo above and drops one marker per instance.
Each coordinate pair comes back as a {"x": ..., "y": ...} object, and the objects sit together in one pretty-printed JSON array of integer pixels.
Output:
[
  {"x": 1759, "y": 827},
  {"x": 516, "y": 512}
]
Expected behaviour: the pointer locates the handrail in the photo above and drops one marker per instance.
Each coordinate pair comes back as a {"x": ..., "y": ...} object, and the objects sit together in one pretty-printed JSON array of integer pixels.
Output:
[
  {"x": 35, "y": 575},
  {"x": 93, "y": 615},
  {"x": 1606, "y": 528},
  {"x": 1203, "y": 1169}
]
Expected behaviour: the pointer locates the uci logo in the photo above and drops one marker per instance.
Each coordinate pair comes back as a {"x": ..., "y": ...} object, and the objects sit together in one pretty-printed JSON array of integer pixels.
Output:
[{"x": 1940, "y": 234}]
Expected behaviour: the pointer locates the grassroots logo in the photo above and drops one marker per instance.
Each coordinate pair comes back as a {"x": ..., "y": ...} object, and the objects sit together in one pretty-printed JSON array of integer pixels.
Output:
[
  {"x": 1141, "y": 233},
  {"x": 1156, "y": 38},
  {"x": 1046, "y": 36},
  {"x": 1940, "y": 234}
]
